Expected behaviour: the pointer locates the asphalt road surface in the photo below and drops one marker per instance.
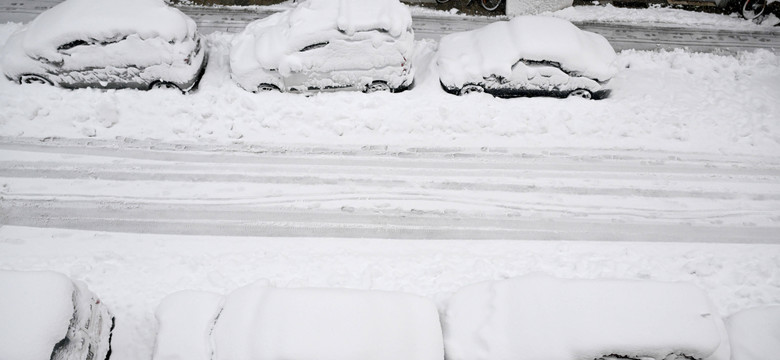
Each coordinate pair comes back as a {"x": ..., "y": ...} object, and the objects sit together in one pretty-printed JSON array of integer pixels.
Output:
[{"x": 621, "y": 36}]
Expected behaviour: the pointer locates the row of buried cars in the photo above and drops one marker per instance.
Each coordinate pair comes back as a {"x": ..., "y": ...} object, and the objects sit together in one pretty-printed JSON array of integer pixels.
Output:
[
  {"x": 46, "y": 315},
  {"x": 319, "y": 45}
]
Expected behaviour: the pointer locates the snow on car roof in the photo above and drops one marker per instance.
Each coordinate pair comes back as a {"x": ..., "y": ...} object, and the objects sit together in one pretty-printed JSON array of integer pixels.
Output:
[
  {"x": 493, "y": 49},
  {"x": 268, "y": 40},
  {"x": 35, "y": 313},
  {"x": 103, "y": 20}
]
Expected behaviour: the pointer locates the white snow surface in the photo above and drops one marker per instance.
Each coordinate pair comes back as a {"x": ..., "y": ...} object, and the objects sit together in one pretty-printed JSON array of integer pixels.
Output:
[
  {"x": 533, "y": 7},
  {"x": 262, "y": 322},
  {"x": 103, "y": 20},
  {"x": 493, "y": 50},
  {"x": 755, "y": 333},
  {"x": 185, "y": 320},
  {"x": 35, "y": 312},
  {"x": 541, "y": 317}
]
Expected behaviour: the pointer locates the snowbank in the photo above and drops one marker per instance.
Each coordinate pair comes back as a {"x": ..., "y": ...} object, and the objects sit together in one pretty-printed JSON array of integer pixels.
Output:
[
  {"x": 261, "y": 322},
  {"x": 540, "y": 317},
  {"x": 35, "y": 312},
  {"x": 755, "y": 333},
  {"x": 185, "y": 320},
  {"x": 494, "y": 49},
  {"x": 533, "y": 7}
]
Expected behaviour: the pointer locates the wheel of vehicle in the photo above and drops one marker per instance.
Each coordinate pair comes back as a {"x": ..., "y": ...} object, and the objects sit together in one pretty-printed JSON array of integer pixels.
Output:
[
  {"x": 266, "y": 88},
  {"x": 377, "y": 86},
  {"x": 163, "y": 85},
  {"x": 752, "y": 9},
  {"x": 471, "y": 89},
  {"x": 491, "y": 5},
  {"x": 442, "y": 1},
  {"x": 34, "y": 79},
  {"x": 581, "y": 93}
]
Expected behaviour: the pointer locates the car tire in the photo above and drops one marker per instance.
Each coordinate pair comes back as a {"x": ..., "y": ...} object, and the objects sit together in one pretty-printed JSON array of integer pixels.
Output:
[
  {"x": 264, "y": 88},
  {"x": 34, "y": 79},
  {"x": 377, "y": 86},
  {"x": 164, "y": 85},
  {"x": 471, "y": 89},
  {"x": 580, "y": 93}
]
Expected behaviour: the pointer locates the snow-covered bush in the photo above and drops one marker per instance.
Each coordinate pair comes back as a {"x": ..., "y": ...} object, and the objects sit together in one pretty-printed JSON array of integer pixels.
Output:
[{"x": 540, "y": 317}]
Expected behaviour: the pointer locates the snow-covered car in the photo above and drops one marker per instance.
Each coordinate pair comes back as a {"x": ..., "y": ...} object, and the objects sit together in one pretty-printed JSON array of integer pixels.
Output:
[
  {"x": 527, "y": 56},
  {"x": 323, "y": 45},
  {"x": 262, "y": 322},
  {"x": 47, "y": 316},
  {"x": 139, "y": 44}
]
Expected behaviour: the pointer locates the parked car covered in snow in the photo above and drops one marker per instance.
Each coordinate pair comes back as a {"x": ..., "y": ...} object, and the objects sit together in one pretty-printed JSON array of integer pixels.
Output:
[
  {"x": 138, "y": 44},
  {"x": 527, "y": 56},
  {"x": 262, "y": 322},
  {"x": 323, "y": 45},
  {"x": 48, "y": 316}
]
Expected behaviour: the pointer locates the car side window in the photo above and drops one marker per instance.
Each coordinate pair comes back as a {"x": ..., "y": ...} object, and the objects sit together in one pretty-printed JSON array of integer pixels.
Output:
[
  {"x": 72, "y": 44},
  {"x": 314, "y": 46}
]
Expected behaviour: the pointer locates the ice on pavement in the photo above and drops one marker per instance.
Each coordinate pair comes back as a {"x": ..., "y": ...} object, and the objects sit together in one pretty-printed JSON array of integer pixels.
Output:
[
  {"x": 755, "y": 333},
  {"x": 263, "y": 322},
  {"x": 35, "y": 312},
  {"x": 494, "y": 50},
  {"x": 541, "y": 317},
  {"x": 185, "y": 320}
]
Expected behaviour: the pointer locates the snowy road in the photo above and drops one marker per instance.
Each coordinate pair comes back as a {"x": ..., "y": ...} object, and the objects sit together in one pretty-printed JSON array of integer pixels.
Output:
[
  {"x": 418, "y": 193},
  {"x": 621, "y": 35}
]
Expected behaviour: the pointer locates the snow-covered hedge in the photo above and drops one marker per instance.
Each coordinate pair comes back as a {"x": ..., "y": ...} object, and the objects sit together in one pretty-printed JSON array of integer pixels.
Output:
[{"x": 540, "y": 317}]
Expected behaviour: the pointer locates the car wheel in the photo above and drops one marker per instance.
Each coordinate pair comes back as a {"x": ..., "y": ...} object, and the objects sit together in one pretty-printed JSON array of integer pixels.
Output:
[
  {"x": 471, "y": 89},
  {"x": 581, "y": 93},
  {"x": 753, "y": 9},
  {"x": 164, "y": 85},
  {"x": 266, "y": 88},
  {"x": 34, "y": 79},
  {"x": 377, "y": 86}
]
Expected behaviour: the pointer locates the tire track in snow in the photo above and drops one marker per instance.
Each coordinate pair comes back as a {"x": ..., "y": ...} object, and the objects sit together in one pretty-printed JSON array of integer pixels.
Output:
[{"x": 368, "y": 192}]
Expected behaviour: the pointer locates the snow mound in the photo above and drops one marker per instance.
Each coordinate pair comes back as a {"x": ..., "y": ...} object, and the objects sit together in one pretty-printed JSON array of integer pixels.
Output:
[
  {"x": 260, "y": 322},
  {"x": 103, "y": 20},
  {"x": 185, "y": 320},
  {"x": 35, "y": 313},
  {"x": 755, "y": 333},
  {"x": 540, "y": 317},
  {"x": 533, "y": 7},
  {"x": 493, "y": 50}
]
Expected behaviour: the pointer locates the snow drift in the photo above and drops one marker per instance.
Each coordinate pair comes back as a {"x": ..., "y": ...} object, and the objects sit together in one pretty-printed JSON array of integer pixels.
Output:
[
  {"x": 540, "y": 317},
  {"x": 532, "y": 7}
]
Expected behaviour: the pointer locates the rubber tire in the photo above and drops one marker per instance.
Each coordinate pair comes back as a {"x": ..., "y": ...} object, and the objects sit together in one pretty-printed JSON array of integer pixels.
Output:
[
  {"x": 164, "y": 85},
  {"x": 266, "y": 88},
  {"x": 580, "y": 93},
  {"x": 377, "y": 86},
  {"x": 471, "y": 89},
  {"x": 490, "y": 5},
  {"x": 757, "y": 8},
  {"x": 34, "y": 79}
]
